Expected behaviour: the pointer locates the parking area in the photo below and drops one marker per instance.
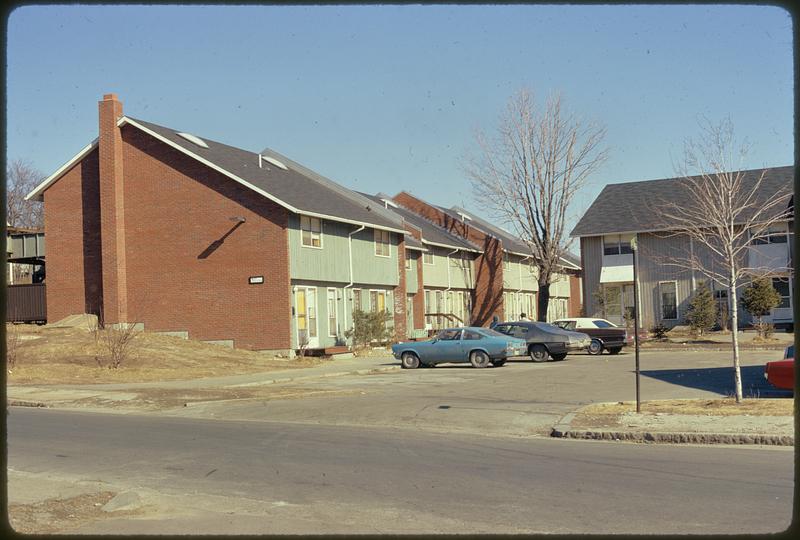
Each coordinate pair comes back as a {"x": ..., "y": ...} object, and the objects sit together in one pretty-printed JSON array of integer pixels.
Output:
[{"x": 521, "y": 398}]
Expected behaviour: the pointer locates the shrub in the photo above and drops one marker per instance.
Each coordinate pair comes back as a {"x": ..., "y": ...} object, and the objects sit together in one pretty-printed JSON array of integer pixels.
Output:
[
  {"x": 12, "y": 345},
  {"x": 702, "y": 312},
  {"x": 758, "y": 299},
  {"x": 369, "y": 326},
  {"x": 116, "y": 343}
]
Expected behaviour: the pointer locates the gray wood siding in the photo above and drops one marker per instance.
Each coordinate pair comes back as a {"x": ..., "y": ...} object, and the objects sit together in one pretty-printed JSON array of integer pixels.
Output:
[
  {"x": 331, "y": 262},
  {"x": 592, "y": 253}
]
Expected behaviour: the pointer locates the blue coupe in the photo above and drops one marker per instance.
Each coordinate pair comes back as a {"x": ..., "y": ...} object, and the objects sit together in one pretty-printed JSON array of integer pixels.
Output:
[{"x": 478, "y": 346}]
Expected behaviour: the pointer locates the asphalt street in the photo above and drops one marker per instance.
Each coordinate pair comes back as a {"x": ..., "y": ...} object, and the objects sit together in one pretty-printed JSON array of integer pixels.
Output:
[{"x": 210, "y": 476}]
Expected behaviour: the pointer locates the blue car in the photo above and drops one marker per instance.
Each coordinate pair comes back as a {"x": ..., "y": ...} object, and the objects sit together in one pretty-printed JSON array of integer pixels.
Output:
[{"x": 478, "y": 346}]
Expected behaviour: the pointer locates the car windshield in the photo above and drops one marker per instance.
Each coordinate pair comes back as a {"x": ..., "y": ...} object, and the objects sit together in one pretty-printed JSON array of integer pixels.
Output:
[{"x": 603, "y": 324}]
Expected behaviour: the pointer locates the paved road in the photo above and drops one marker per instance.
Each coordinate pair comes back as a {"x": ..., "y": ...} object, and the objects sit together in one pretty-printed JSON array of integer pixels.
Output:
[
  {"x": 210, "y": 476},
  {"x": 520, "y": 399}
]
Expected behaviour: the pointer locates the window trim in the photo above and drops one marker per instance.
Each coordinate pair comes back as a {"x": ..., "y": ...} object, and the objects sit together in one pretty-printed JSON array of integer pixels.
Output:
[
  {"x": 302, "y": 241},
  {"x": 332, "y": 332},
  {"x": 661, "y": 301},
  {"x": 378, "y": 233}
]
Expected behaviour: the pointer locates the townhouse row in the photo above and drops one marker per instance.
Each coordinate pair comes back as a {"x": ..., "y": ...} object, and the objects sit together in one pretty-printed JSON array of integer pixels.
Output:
[{"x": 190, "y": 236}]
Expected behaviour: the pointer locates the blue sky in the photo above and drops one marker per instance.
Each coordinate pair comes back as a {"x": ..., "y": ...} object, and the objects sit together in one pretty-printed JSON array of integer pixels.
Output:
[{"x": 384, "y": 98}]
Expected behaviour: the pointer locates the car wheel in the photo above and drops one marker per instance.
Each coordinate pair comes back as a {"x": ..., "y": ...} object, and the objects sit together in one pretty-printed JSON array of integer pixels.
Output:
[
  {"x": 538, "y": 353},
  {"x": 479, "y": 359},
  {"x": 498, "y": 363},
  {"x": 409, "y": 360},
  {"x": 614, "y": 350},
  {"x": 559, "y": 357},
  {"x": 595, "y": 347}
]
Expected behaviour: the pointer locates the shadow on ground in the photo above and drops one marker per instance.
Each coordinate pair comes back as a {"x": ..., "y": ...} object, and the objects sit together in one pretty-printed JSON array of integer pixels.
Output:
[{"x": 720, "y": 380}]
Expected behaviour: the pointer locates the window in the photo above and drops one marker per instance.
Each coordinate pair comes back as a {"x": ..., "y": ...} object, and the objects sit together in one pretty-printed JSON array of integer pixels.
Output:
[
  {"x": 311, "y": 231},
  {"x": 449, "y": 335},
  {"x": 377, "y": 300},
  {"x": 616, "y": 244},
  {"x": 669, "y": 300},
  {"x": 773, "y": 235},
  {"x": 382, "y": 243},
  {"x": 311, "y": 294},
  {"x": 332, "y": 316},
  {"x": 603, "y": 324},
  {"x": 782, "y": 286},
  {"x": 427, "y": 257},
  {"x": 408, "y": 263},
  {"x": 471, "y": 335},
  {"x": 567, "y": 325},
  {"x": 357, "y": 300},
  {"x": 506, "y": 260}
]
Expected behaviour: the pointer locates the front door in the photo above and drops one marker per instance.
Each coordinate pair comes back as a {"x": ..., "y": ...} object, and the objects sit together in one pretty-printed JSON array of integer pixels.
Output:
[{"x": 305, "y": 301}]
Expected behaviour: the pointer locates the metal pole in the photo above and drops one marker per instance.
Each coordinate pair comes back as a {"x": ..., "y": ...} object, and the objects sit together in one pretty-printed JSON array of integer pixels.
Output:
[{"x": 636, "y": 324}]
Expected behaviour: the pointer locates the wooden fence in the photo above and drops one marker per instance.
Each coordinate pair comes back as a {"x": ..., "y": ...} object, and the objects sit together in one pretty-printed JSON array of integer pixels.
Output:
[{"x": 26, "y": 303}]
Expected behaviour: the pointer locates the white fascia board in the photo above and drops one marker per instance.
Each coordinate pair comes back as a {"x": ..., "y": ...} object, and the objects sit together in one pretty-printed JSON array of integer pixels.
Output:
[
  {"x": 415, "y": 248},
  {"x": 567, "y": 264},
  {"x": 125, "y": 120},
  {"x": 36, "y": 194},
  {"x": 449, "y": 246}
]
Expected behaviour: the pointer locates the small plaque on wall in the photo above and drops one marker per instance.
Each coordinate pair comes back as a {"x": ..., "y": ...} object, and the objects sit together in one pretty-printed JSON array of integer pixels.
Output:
[{"x": 255, "y": 280}]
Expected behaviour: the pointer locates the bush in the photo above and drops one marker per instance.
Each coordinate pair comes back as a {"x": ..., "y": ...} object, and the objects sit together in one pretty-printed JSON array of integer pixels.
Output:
[
  {"x": 764, "y": 329},
  {"x": 702, "y": 312},
  {"x": 659, "y": 331},
  {"x": 758, "y": 299},
  {"x": 117, "y": 343},
  {"x": 369, "y": 326}
]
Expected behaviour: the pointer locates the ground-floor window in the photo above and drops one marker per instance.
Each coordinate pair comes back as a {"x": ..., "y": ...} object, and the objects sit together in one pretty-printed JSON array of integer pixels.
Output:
[
  {"x": 782, "y": 286},
  {"x": 333, "y": 319},
  {"x": 668, "y": 293}
]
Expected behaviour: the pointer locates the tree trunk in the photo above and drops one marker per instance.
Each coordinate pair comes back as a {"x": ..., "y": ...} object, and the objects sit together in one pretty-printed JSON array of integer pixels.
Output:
[
  {"x": 542, "y": 301},
  {"x": 737, "y": 372}
]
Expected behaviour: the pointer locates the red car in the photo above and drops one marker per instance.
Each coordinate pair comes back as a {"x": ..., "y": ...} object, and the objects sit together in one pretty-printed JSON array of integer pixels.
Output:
[{"x": 780, "y": 373}]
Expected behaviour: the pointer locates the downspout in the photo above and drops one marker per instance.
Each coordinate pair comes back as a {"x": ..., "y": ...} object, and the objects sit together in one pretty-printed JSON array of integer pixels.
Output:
[
  {"x": 350, "y": 255},
  {"x": 448, "y": 277}
]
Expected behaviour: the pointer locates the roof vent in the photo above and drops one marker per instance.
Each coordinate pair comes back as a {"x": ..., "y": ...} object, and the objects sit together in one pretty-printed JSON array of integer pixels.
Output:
[
  {"x": 275, "y": 162},
  {"x": 387, "y": 203},
  {"x": 464, "y": 216},
  {"x": 193, "y": 139}
]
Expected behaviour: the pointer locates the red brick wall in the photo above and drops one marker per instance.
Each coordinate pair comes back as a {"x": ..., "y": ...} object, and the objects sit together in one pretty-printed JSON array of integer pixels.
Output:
[
  {"x": 418, "y": 300},
  {"x": 487, "y": 299},
  {"x": 72, "y": 228},
  {"x": 188, "y": 264},
  {"x": 399, "y": 294}
]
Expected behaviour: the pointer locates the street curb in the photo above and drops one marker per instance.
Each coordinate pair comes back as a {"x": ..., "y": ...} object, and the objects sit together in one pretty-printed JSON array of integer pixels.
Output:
[
  {"x": 22, "y": 403},
  {"x": 675, "y": 438},
  {"x": 320, "y": 376},
  {"x": 563, "y": 430}
]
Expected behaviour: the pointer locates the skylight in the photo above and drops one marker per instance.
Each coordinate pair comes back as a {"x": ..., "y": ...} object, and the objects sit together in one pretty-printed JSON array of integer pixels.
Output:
[
  {"x": 277, "y": 163},
  {"x": 193, "y": 139}
]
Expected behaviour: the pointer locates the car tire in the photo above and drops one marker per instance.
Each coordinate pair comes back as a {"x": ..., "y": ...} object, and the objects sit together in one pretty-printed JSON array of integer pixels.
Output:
[
  {"x": 498, "y": 363},
  {"x": 559, "y": 357},
  {"x": 409, "y": 360},
  {"x": 595, "y": 347},
  {"x": 479, "y": 359},
  {"x": 538, "y": 353},
  {"x": 614, "y": 350}
]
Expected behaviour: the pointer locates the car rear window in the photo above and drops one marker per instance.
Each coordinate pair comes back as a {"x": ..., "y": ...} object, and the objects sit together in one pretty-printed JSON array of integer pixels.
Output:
[
  {"x": 471, "y": 335},
  {"x": 603, "y": 324}
]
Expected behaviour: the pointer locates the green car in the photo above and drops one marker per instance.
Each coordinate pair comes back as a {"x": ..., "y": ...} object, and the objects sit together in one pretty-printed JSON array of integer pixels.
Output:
[{"x": 476, "y": 345}]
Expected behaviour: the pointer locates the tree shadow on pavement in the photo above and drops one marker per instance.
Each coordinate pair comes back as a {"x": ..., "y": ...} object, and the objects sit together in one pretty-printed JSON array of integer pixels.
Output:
[{"x": 720, "y": 380}]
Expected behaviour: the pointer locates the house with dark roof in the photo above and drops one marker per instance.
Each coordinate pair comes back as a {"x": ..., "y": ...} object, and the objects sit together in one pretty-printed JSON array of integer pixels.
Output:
[
  {"x": 505, "y": 280},
  {"x": 441, "y": 277},
  {"x": 622, "y": 212},
  {"x": 182, "y": 234}
]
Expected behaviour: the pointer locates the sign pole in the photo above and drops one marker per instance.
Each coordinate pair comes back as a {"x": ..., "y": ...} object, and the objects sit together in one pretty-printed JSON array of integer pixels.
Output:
[{"x": 636, "y": 321}]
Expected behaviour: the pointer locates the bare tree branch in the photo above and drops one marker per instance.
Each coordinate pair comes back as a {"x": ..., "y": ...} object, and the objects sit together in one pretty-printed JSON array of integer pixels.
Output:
[{"x": 21, "y": 179}]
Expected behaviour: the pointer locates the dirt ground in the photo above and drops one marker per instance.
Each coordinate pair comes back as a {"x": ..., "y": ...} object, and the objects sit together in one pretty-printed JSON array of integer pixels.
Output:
[
  {"x": 47, "y": 355},
  {"x": 609, "y": 414},
  {"x": 60, "y": 515}
]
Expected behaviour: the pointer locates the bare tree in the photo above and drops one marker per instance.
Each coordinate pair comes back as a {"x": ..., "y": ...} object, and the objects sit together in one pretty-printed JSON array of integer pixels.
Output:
[
  {"x": 528, "y": 174},
  {"x": 723, "y": 210},
  {"x": 21, "y": 179}
]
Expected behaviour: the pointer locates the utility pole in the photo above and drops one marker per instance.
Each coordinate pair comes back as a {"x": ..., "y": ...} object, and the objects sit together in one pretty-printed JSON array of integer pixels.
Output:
[{"x": 636, "y": 321}]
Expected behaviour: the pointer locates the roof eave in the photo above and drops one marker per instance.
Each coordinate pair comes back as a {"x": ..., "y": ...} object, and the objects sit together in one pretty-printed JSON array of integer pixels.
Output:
[{"x": 38, "y": 191}]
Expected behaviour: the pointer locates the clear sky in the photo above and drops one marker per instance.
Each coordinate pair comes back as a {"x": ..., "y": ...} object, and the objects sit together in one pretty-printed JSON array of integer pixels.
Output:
[{"x": 384, "y": 98}]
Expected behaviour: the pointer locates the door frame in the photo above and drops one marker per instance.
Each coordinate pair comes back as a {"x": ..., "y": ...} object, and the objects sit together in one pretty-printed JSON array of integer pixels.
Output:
[{"x": 313, "y": 343}]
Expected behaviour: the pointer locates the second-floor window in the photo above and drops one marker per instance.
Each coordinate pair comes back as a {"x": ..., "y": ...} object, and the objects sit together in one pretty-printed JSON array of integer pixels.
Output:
[
  {"x": 427, "y": 257},
  {"x": 311, "y": 231},
  {"x": 773, "y": 235},
  {"x": 382, "y": 243},
  {"x": 616, "y": 244},
  {"x": 408, "y": 263}
]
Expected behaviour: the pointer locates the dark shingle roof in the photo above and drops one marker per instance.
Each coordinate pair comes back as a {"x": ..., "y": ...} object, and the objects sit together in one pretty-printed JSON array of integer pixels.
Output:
[
  {"x": 299, "y": 187},
  {"x": 510, "y": 242},
  {"x": 629, "y": 207},
  {"x": 431, "y": 232}
]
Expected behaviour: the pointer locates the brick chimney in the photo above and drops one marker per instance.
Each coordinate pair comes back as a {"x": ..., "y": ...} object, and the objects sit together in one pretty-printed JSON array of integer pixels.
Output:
[{"x": 112, "y": 212}]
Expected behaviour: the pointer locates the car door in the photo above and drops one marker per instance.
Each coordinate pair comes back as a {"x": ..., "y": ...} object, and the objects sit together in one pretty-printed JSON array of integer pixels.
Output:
[{"x": 448, "y": 348}]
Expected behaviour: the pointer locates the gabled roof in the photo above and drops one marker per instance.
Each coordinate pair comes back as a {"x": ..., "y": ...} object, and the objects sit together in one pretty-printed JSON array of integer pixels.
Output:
[
  {"x": 296, "y": 188},
  {"x": 511, "y": 243},
  {"x": 432, "y": 234},
  {"x": 628, "y": 207}
]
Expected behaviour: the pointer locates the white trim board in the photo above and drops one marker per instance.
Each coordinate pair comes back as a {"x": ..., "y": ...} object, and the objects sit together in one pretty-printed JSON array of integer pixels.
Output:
[{"x": 37, "y": 191}]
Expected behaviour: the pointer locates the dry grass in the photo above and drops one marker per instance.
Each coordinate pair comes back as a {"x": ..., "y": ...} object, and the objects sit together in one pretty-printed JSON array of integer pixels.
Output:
[
  {"x": 608, "y": 414},
  {"x": 60, "y": 515},
  {"x": 46, "y": 355}
]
